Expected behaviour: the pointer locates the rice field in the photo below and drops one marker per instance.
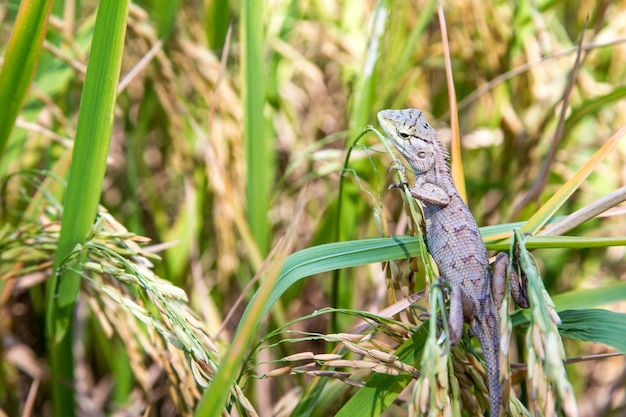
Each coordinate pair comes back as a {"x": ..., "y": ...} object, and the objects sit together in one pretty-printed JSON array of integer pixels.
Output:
[{"x": 195, "y": 217}]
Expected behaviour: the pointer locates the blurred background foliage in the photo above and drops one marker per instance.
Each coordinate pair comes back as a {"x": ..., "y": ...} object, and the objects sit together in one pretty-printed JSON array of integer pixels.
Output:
[{"x": 215, "y": 178}]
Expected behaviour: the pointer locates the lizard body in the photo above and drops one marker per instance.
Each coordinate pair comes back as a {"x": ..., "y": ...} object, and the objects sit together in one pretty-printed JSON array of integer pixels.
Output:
[{"x": 453, "y": 240}]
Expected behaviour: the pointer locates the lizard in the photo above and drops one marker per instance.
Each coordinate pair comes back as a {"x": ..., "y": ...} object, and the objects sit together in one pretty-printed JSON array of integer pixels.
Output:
[{"x": 454, "y": 242}]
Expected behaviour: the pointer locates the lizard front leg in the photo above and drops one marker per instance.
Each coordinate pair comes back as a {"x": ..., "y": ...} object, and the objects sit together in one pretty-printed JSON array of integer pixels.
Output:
[
  {"x": 429, "y": 192},
  {"x": 461, "y": 310},
  {"x": 422, "y": 190}
]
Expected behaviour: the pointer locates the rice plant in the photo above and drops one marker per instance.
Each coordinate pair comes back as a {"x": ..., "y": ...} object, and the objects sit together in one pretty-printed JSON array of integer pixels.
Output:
[{"x": 196, "y": 221}]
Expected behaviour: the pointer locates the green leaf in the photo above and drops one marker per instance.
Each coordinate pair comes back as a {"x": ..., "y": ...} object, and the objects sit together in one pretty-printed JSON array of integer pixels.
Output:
[
  {"x": 259, "y": 155},
  {"x": 84, "y": 185},
  {"x": 600, "y": 326},
  {"x": 339, "y": 255},
  {"x": 574, "y": 242},
  {"x": 20, "y": 61},
  {"x": 581, "y": 299},
  {"x": 217, "y": 22},
  {"x": 91, "y": 145}
]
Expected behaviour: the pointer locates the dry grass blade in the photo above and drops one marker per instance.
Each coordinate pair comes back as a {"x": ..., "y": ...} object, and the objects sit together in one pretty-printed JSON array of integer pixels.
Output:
[
  {"x": 541, "y": 217},
  {"x": 141, "y": 65},
  {"x": 502, "y": 78},
  {"x": 455, "y": 148},
  {"x": 250, "y": 285},
  {"x": 542, "y": 178},
  {"x": 586, "y": 213}
]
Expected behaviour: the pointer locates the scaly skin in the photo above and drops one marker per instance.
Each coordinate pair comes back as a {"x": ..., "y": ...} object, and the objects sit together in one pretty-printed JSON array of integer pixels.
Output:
[{"x": 453, "y": 240}]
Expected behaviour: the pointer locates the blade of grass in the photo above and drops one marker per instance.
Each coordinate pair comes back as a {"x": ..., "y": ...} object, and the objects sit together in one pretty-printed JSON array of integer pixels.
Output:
[
  {"x": 259, "y": 159},
  {"x": 580, "y": 299},
  {"x": 586, "y": 298},
  {"x": 20, "y": 61},
  {"x": 216, "y": 395},
  {"x": 165, "y": 15},
  {"x": 91, "y": 145},
  {"x": 588, "y": 212},
  {"x": 217, "y": 23},
  {"x": 455, "y": 147},
  {"x": 340, "y": 255},
  {"x": 599, "y": 326},
  {"x": 364, "y": 96},
  {"x": 542, "y": 178},
  {"x": 544, "y": 214},
  {"x": 367, "y": 87},
  {"x": 554, "y": 242}
]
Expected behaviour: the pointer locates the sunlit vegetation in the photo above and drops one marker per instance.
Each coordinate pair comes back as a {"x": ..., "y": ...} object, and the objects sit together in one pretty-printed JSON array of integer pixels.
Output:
[{"x": 183, "y": 230}]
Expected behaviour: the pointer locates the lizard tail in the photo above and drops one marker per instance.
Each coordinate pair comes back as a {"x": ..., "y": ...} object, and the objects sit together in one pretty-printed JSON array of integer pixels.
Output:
[{"x": 488, "y": 333}]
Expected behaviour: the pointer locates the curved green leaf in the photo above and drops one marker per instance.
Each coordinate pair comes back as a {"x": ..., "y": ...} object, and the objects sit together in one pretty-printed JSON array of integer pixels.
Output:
[
  {"x": 600, "y": 326},
  {"x": 339, "y": 255}
]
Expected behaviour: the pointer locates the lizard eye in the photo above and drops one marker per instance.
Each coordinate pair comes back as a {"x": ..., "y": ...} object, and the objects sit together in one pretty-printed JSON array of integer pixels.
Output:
[
  {"x": 421, "y": 155},
  {"x": 403, "y": 134}
]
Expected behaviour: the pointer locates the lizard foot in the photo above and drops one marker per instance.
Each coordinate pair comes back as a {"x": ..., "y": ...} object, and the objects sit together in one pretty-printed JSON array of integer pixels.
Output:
[
  {"x": 498, "y": 282},
  {"x": 455, "y": 319},
  {"x": 399, "y": 185},
  {"x": 518, "y": 288},
  {"x": 519, "y": 283}
]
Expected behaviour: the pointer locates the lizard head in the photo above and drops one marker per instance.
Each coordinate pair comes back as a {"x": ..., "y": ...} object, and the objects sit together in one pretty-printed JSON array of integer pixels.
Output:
[{"x": 412, "y": 136}]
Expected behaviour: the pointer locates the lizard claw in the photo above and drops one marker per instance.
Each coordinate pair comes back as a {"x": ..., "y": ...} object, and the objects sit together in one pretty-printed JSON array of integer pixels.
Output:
[
  {"x": 519, "y": 287},
  {"x": 425, "y": 315},
  {"x": 396, "y": 165},
  {"x": 399, "y": 185}
]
